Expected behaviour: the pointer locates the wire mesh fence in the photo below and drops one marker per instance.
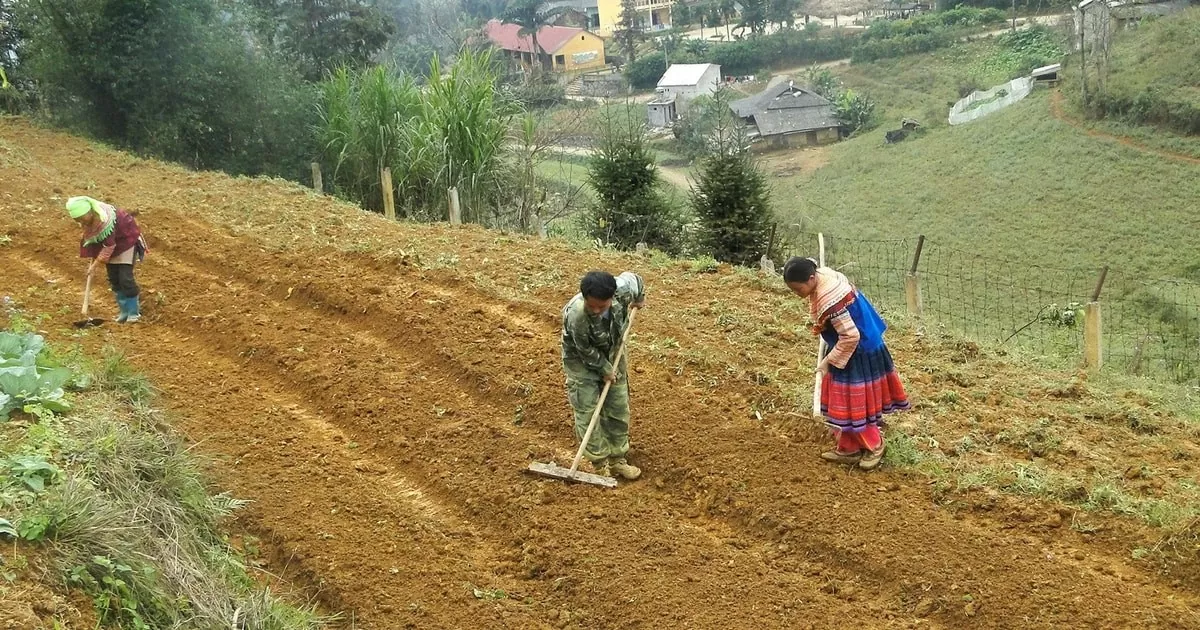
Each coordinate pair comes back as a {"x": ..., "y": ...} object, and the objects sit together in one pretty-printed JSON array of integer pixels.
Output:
[
  {"x": 1149, "y": 326},
  {"x": 1152, "y": 326}
]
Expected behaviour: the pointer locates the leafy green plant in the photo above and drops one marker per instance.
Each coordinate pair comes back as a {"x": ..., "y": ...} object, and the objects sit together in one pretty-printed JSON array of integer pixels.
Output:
[
  {"x": 896, "y": 38},
  {"x": 449, "y": 132},
  {"x": 25, "y": 381},
  {"x": 34, "y": 527},
  {"x": 855, "y": 110},
  {"x": 1067, "y": 315},
  {"x": 824, "y": 82},
  {"x": 114, "y": 591},
  {"x": 7, "y": 529},
  {"x": 33, "y": 471},
  {"x": 704, "y": 264},
  {"x": 644, "y": 73},
  {"x": 222, "y": 102}
]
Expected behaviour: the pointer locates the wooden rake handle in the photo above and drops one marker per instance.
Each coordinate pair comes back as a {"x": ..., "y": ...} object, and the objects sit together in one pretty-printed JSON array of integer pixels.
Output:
[
  {"x": 87, "y": 292},
  {"x": 821, "y": 347},
  {"x": 603, "y": 394}
]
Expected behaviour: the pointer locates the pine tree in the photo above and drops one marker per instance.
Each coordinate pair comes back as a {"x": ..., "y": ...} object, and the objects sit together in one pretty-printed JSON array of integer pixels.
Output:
[
  {"x": 731, "y": 198},
  {"x": 629, "y": 31},
  {"x": 631, "y": 208}
]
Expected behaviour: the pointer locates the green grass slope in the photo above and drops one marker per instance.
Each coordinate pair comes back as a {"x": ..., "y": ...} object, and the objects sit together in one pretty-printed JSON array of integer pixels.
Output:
[
  {"x": 1155, "y": 73},
  {"x": 925, "y": 86},
  {"x": 1018, "y": 184}
]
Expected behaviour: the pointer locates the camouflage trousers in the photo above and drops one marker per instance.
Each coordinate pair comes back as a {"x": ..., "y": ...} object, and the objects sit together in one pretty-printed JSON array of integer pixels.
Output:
[{"x": 611, "y": 436}]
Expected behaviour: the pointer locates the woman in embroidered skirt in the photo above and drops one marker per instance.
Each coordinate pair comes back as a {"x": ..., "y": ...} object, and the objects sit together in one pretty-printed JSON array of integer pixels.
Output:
[
  {"x": 111, "y": 237},
  {"x": 858, "y": 380}
]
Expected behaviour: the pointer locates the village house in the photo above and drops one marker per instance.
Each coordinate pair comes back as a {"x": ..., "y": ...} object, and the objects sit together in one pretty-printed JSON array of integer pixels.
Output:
[
  {"x": 685, "y": 81},
  {"x": 579, "y": 13},
  {"x": 787, "y": 116},
  {"x": 679, "y": 85},
  {"x": 562, "y": 48},
  {"x": 654, "y": 15}
]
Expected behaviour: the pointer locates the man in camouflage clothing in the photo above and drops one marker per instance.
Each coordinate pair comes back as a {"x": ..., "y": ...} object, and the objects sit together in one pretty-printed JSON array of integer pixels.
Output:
[{"x": 593, "y": 323}]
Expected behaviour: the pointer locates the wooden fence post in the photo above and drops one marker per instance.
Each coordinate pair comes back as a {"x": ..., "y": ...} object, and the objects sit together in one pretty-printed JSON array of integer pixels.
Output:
[
  {"x": 389, "y": 199},
  {"x": 455, "y": 208},
  {"x": 1093, "y": 328},
  {"x": 912, "y": 283},
  {"x": 318, "y": 185}
]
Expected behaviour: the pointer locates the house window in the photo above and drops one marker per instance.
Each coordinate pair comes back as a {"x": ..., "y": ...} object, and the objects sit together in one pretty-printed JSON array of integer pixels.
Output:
[
  {"x": 812, "y": 137},
  {"x": 560, "y": 60}
]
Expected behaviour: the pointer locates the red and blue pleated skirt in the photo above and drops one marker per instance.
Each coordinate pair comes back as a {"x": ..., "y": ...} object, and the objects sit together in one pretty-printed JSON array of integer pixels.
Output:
[{"x": 854, "y": 399}]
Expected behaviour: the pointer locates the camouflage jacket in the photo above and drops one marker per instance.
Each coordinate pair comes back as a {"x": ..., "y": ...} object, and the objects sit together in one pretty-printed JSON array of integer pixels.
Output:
[{"x": 589, "y": 341}]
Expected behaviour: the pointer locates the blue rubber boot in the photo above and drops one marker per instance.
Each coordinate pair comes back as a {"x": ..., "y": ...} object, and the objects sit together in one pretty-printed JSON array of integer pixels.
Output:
[
  {"x": 133, "y": 312},
  {"x": 122, "y": 315}
]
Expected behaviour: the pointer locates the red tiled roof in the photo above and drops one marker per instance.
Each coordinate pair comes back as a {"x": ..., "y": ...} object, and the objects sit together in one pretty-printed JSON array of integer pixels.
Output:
[{"x": 550, "y": 38}]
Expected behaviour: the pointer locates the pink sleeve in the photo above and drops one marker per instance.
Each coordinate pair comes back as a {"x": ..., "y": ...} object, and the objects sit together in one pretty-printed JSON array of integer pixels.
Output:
[{"x": 847, "y": 339}]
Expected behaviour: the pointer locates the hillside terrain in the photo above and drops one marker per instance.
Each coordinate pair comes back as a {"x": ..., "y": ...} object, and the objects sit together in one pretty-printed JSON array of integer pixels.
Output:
[{"x": 376, "y": 390}]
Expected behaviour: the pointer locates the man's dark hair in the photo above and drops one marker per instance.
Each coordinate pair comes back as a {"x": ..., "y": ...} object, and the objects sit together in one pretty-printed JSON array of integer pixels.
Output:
[
  {"x": 798, "y": 269},
  {"x": 598, "y": 284}
]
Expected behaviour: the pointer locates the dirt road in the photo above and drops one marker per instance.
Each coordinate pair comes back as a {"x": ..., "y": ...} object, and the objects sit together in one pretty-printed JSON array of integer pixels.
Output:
[
  {"x": 1056, "y": 109},
  {"x": 377, "y": 389}
]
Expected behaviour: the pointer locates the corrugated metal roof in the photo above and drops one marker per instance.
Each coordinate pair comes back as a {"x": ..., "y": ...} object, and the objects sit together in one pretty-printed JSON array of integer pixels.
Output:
[
  {"x": 686, "y": 74},
  {"x": 795, "y": 120},
  {"x": 781, "y": 96}
]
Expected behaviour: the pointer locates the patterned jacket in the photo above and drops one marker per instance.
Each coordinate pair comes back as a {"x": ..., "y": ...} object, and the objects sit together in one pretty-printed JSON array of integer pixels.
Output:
[
  {"x": 123, "y": 235},
  {"x": 589, "y": 341}
]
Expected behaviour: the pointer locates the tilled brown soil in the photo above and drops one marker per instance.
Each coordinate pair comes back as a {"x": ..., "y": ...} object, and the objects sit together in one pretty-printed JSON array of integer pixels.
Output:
[{"x": 377, "y": 390}]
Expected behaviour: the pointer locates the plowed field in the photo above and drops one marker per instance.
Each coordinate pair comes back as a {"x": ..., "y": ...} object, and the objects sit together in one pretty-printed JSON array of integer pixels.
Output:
[{"x": 376, "y": 391}]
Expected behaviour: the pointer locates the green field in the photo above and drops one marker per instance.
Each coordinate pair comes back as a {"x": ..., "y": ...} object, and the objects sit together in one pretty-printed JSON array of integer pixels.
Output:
[
  {"x": 1155, "y": 74},
  {"x": 925, "y": 86},
  {"x": 1018, "y": 184}
]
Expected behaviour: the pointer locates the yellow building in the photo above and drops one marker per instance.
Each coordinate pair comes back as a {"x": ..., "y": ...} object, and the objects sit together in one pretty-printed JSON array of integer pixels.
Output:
[
  {"x": 563, "y": 49},
  {"x": 655, "y": 15}
]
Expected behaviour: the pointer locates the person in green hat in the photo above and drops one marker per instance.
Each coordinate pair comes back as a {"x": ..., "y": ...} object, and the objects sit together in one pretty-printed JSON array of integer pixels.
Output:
[{"x": 111, "y": 236}]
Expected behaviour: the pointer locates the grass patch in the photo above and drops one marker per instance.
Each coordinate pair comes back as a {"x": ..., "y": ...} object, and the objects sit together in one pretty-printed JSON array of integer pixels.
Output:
[
  {"x": 1155, "y": 69},
  {"x": 964, "y": 196},
  {"x": 997, "y": 185},
  {"x": 902, "y": 450},
  {"x": 1039, "y": 438},
  {"x": 1149, "y": 137},
  {"x": 116, "y": 506},
  {"x": 926, "y": 86}
]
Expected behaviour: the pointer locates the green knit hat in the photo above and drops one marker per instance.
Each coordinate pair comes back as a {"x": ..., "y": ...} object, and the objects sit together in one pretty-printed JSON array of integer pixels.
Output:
[{"x": 79, "y": 206}]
